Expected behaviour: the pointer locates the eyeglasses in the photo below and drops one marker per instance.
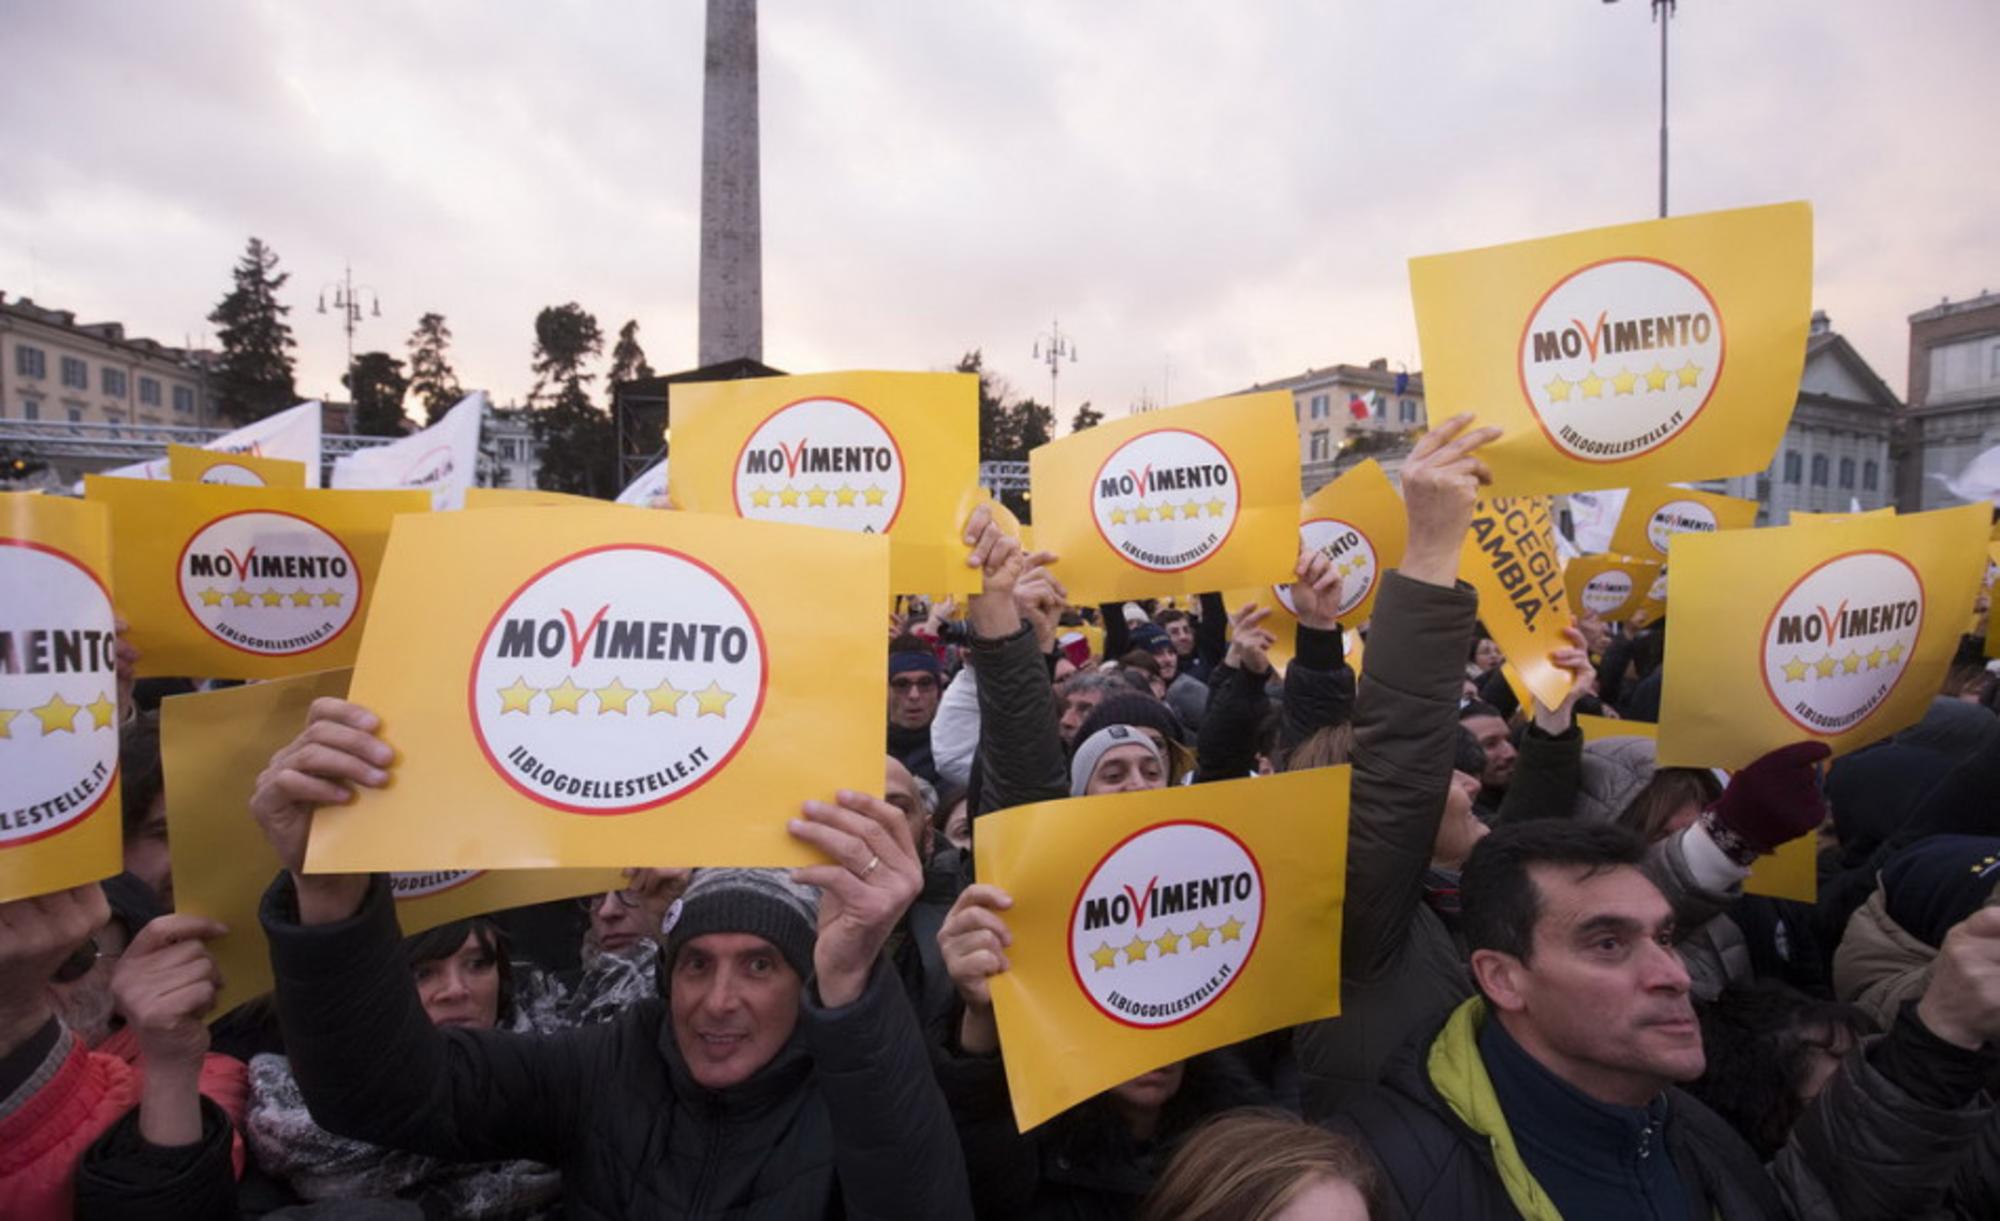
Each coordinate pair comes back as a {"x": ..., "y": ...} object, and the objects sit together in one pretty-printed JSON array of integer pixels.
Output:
[
  {"x": 78, "y": 964},
  {"x": 905, "y": 685},
  {"x": 626, "y": 898}
]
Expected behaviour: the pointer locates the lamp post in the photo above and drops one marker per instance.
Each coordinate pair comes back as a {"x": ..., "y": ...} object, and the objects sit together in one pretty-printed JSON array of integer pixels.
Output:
[
  {"x": 1663, "y": 15},
  {"x": 1050, "y": 350},
  {"x": 347, "y": 299}
]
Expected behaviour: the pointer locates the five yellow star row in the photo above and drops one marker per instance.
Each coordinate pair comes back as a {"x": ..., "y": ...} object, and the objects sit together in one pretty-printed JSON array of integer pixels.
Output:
[
  {"x": 816, "y": 496},
  {"x": 1166, "y": 512},
  {"x": 1798, "y": 669},
  {"x": 712, "y": 700},
  {"x": 1199, "y": 937},
  {"x": 270, "y": 597},
  {"x": 1622, "y": 382}
]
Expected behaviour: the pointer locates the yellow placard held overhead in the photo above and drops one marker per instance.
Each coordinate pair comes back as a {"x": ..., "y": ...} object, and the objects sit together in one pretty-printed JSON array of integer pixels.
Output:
[
  {"x": 1149, "y": 927},
  {"x": 870, "y": 453},
  {"x": 231, "y": 582},
  {"x": 600, "y": 687},
  {"x": 1611, "y": 587},
  {"x": 1652, "y": 517},
  {"x": 1835, "y": 633},
  {"x": 59, "y": 819},
  {"x": 1357, "y": 523},
  {"x": 213, "y": 746},
  {"x": 190, "y": 464},
  {"x": 1198, "y": 497},
  {"x": 1791, "y": 872},
  {"x": 1510, "y": 558},
  {"x": 1646, "y": 353}
]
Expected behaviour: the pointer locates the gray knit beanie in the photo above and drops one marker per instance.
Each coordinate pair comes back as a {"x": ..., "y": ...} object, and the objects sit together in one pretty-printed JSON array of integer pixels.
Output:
[
  {"x": 762, "y": 902},
  {"x": 1085, "y": 761}
]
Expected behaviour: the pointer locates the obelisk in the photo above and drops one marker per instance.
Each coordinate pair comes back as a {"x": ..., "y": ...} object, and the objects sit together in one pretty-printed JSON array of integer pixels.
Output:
[{"x": 732, "y": 246}]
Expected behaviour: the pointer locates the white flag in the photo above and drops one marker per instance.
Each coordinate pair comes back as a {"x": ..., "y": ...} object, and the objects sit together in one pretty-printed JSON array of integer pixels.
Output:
[
  {"x": 442, "y": 459},
  {"x": 292, "y": 434},
  {"x": 649, "y": 490},
  {"x": 1593, "y": 517},
  {"x": 1980, "y": 480}
]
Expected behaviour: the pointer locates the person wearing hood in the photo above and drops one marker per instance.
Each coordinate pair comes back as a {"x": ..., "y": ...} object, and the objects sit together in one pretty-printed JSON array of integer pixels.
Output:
[
  {"x": 916, "y": 683},
  {"x": 782, "y": 1075}
]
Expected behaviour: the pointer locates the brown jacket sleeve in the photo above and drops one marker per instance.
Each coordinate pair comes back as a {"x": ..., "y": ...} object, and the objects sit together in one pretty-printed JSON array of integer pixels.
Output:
[{"x": 1405, "y": 726}]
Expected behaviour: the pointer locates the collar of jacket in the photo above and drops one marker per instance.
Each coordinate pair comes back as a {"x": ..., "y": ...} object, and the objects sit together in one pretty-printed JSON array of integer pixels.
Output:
[
  {"x": 771, "y": 1085},
  {"x": 1459, "y": 1074}
]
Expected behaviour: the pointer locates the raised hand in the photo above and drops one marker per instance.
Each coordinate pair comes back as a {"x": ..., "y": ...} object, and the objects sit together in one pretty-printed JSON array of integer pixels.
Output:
[
  {"x": 1442, "y": 479},
  {"x": 1249, "y": 641},
  {"x": 973, "y": 941},
  {"x": 165, "y": 984},
  {"x": 1961, "y": 1004},
  {"x": 873, "y": 879},
  {"x": 1583, "y": 681},
  {"x": 1316, "y": 594},
  {"x": 337, "y": 750}
]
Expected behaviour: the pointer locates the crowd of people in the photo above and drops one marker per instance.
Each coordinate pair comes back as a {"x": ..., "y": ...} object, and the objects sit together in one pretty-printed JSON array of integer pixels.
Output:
[{"x": 1556, "y": 999}]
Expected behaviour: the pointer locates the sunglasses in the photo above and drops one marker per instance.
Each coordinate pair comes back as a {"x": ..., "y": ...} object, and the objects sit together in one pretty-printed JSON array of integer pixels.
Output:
[{"x": 79, "y": 963}]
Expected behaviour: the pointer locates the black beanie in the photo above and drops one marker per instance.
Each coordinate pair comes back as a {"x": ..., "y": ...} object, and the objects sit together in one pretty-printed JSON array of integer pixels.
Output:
[
  {"x": 1131, "y": 708},
  {"x": 762, "y": 902}
]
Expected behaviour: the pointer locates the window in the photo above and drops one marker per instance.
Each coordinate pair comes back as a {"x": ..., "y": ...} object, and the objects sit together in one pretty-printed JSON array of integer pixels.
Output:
[
  {"x": 1794, "y": 466},
  {"x": 114, "y": 417},
  {"x": 75, "y": 373},
  {"x": 1319, "y": 445},
  {"x": 1819, "y": 470},
  {"x": 31, "y": 410},
  {"x": 508, "y": 451},
  {"x": 114, "y": 382},
  {"x": 1407, "y": 412},
  {"x": 1381, "y": 407},
  {"x": 1319, "y": 407},
  {"x": 149, "y": 391},
  {"x": 1847, "y": 472},
  {"x": 1871, "y": 475},
  {"x": 76, "y": 415},
  {"x": 183, "y": 398},
  {"x": 30, "y": 362}
]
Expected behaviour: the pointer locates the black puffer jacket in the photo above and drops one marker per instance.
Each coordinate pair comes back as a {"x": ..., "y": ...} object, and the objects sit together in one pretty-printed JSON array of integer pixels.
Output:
[{"x": 846, "y": 1121}]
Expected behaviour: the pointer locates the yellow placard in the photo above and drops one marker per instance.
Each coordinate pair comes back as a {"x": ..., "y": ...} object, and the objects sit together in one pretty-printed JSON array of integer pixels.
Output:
[
  {"x": 1801, "y": 517},
  {"x": 1357, "y": 522},
  {"x": 1638, "y": 354},
  {"x": 213, "y": 745},
  {"x": 231, "y": 582},
  {"x": 1791, "y": 872},
  {"x": 1203, "y": 496},
  {"x": 874, "y": 453},
  {"x": 1847, "y": 631},
  {"x": 1652, "y": 516},
  {"x": 191, "y": 464},
  {"x": 1611, "y": 587},
  {"x": 59, "y": 812},
  {"x": 523, "y": 498},
  {"x": 599, "y": 687},
  {"x": 1149, "y": 927},
  {"x": 1510, "y": 558}
]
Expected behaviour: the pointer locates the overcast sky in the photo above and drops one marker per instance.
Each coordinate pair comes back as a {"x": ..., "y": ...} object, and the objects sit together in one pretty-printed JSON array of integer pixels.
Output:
[{"x": 1207, "y": 195}]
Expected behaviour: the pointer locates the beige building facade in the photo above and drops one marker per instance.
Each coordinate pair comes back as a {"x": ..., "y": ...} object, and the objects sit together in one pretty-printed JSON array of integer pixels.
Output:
[{"x": 55, "y": 369}]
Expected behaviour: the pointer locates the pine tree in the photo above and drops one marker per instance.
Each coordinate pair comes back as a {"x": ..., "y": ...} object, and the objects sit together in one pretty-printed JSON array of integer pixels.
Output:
[
  {"x": 1008, "y": 428},
  {"x": 576, "y": 444},
  {"x": 254, "y": 377},
  {"x": 432, "y": 379},
  {"x": 1086, "y": 417},
  {"x": 376, "y": 385},
  {"x": 628, "y": 359}
]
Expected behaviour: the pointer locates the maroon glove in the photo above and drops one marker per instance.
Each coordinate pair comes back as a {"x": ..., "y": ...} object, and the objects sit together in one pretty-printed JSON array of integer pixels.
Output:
[{"x": 1772, "y": 801}]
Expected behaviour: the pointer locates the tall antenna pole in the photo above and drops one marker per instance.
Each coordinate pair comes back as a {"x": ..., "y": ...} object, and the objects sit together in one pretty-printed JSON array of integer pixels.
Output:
[{"x": 1050, "y": 349}]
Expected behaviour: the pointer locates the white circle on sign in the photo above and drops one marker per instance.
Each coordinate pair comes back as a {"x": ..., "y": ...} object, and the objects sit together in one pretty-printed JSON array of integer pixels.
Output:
[
  {"x": 1166, "y": 923},
  {"x": 1619, "y": 357},
  {"x": 1679, "y": 517},
  {"x": 1607, "y": 591},
  {"x": 58, "y": 692},
  {"x": 1351, "y": 554},
  {"x": 1841, "y": 638},
  {"x": 269, "y": 583},
  {"x": 423, "y": 885},
  {"x": 231, "y": 474},
  {"x": 1166, "y": 500},
  {"x": 617, "y": 679},
  {"x": 821, "y": 462}
]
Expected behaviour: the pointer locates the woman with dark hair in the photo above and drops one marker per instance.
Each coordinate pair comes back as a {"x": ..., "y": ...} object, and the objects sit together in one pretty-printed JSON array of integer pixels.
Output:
[
  {"x": 1770, "y": 1051},
  {"x": 464, "y": 979},
  {"x": 1263, "y": 1165}
]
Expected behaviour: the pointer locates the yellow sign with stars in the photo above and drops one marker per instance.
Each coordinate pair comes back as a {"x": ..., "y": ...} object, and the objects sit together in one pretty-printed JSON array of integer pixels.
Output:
[
  {"x": 191, "y": 464},
  {"x": 1841, "y": 633},
  {"x": 59, "y": 813},
  {"x": 236, "y": 582},
  {"x": 603, "y": 687},
  {"x": 1637, "y": 354},
  {"x": 868, "y": 453},
  {"x": 213, "y": 745},
  {"x": 1149, "y": 927},
  {"x": 1653, "y": 516},
  {"x": 1199, "y": 497},
  {"x": 1610, "y": 587}
]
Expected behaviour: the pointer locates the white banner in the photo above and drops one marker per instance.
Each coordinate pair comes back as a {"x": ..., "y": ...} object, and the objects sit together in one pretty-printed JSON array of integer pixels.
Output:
[
  {"x": 292, "y": 434},
  {"x": 649, "y": 490},
  {"x": 1593, "y": 516},
  {"x": 442, "y": 459}
]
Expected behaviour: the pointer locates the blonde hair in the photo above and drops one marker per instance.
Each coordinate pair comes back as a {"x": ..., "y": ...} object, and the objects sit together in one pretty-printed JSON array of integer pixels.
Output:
[{"x": 1247, "y": 1165}]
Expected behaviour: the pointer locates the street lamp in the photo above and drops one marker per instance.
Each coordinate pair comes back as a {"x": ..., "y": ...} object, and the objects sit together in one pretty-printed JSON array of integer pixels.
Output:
[
  {"x": 1050, "y": 350},
  {"x": 347, "y": 299},
  {"x": 1663, "y": 15}
]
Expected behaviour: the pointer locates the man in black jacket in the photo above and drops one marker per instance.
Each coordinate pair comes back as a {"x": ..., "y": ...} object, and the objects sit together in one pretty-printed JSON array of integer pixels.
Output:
[
  {"x": 1552, "y": 1093},
  {"x": 783, "y": 1076}
]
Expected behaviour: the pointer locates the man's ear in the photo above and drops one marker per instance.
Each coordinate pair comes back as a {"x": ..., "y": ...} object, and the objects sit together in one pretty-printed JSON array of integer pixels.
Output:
[{"x": 1502, "y": 978}]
